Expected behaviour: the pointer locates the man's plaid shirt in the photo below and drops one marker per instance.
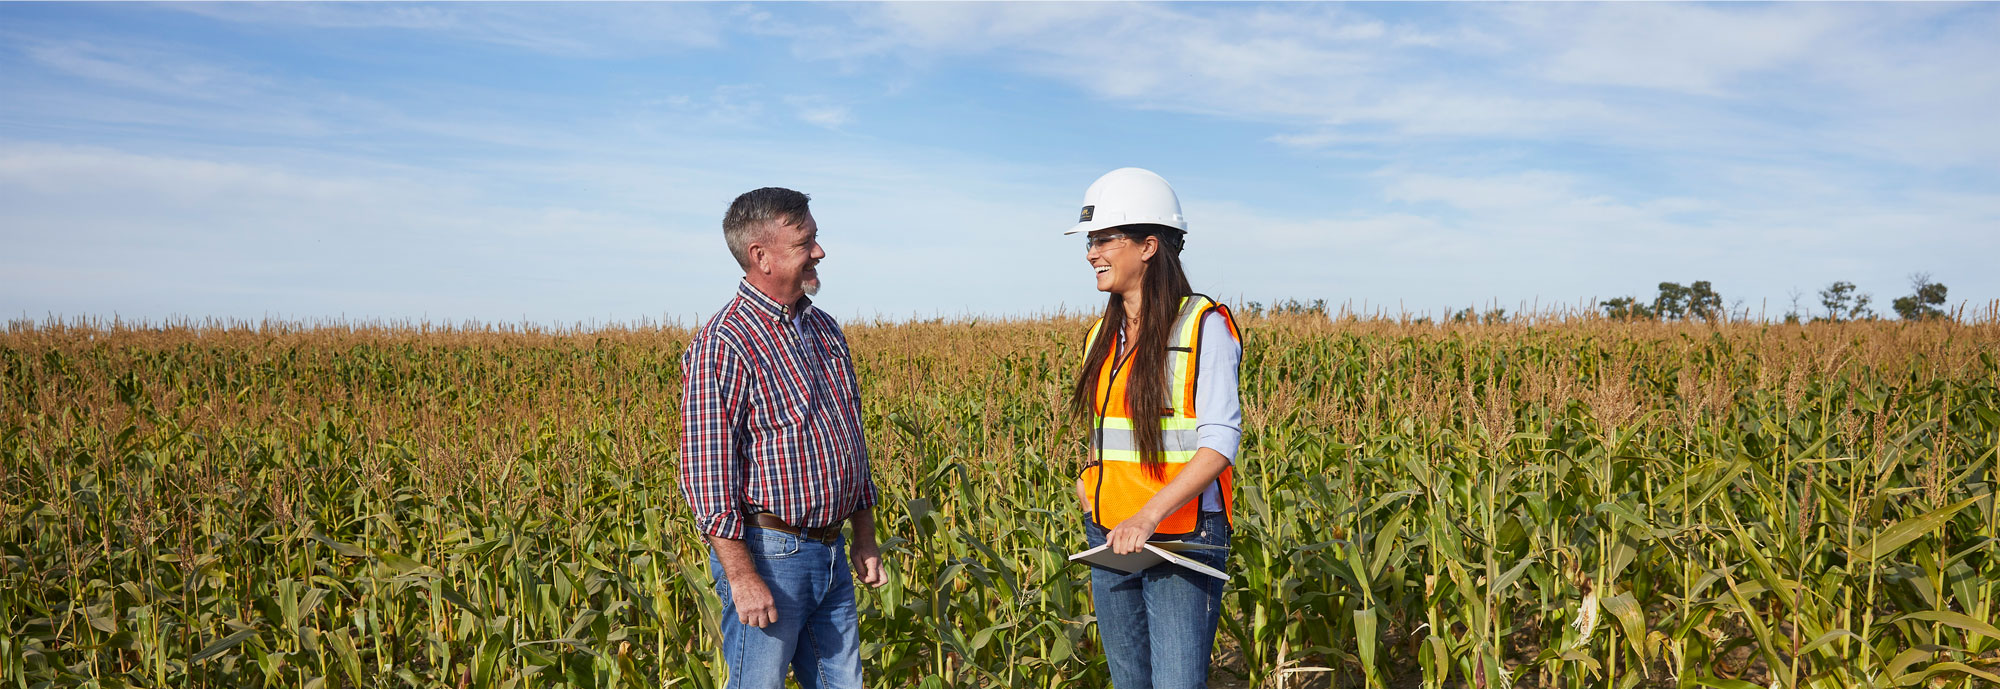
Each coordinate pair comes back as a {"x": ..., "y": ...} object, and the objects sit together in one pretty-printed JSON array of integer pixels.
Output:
[{"x": 771, "y": 418}]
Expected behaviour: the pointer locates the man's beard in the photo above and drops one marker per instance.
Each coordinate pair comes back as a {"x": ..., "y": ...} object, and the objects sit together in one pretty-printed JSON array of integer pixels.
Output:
[{"x": 810, "y": 286}]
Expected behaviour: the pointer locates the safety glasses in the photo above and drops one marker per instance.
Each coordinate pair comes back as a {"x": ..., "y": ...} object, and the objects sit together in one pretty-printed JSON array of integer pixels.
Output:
[{"x": 1095, "y": 242}]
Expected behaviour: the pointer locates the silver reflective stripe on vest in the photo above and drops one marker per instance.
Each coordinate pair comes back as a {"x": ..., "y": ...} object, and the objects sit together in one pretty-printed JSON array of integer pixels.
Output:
[{"x": 1170, "y": 440}]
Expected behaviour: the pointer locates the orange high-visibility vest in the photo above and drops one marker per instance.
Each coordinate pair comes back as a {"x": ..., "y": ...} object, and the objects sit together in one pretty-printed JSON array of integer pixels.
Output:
[{"x": 1116, "y": 483}]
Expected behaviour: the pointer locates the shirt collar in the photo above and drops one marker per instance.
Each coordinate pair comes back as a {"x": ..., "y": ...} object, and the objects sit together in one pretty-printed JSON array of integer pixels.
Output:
[{"x": 770, "y": 307}]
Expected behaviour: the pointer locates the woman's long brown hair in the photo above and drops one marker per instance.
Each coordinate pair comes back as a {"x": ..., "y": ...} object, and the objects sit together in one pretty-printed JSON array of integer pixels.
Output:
[{"x": 1161, "y": 290}]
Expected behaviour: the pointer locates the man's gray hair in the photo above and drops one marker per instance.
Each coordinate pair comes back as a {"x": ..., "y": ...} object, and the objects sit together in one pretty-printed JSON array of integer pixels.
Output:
[{"x": 752, "y": 213}]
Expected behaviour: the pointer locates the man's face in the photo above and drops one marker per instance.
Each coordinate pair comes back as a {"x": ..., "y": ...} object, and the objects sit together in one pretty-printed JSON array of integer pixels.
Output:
[{"x": 794, "y": 254}]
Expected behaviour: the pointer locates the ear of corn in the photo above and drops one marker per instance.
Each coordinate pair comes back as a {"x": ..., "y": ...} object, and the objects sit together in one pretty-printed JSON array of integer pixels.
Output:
[{"x": 1576, "y": 503}]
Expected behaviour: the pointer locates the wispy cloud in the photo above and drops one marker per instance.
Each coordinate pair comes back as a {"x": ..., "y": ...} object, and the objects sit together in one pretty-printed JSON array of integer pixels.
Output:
[
  {"x": 151, "y": 68},
  {"x": 1704, "y": 50},
  {"x": 562, "y": 29},
  {"x": 1445, "y": 240},
  {"x": 201, "y": 236},
  {"x": 820, "y": 113},
  {"x": 1773, "y": 78},
  {"x": 1426, "y": 154}
]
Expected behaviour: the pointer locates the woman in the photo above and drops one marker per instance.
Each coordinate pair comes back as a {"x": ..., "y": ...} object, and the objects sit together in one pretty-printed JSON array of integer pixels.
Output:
[{"x": 1164, "y": 476}]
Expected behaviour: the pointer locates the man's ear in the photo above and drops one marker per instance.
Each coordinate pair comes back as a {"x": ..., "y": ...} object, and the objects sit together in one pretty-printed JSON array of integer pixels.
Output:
[{"x": 756, "y": 256}]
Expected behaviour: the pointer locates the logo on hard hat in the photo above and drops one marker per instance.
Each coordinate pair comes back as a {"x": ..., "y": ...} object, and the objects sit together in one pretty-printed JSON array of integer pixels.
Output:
[{"x": 1085, "y": 218}]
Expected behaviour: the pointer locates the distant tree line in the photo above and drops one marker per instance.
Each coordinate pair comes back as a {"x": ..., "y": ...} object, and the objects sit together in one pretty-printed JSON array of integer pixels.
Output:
[
  {"x": 1674, "y": 302},
  {"x": 1841, "y": 300},
  {"x": 1286, "y": 307}
]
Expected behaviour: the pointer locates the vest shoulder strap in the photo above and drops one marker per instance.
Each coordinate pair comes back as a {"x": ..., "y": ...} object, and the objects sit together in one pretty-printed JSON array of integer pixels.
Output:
[{"x": 1187, "y": 326}]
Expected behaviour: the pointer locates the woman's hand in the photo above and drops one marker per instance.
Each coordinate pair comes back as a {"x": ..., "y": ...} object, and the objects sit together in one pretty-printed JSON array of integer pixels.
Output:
[
  {"x": 1081, "y": 497},
  {"x": 1130, "y": 536}
]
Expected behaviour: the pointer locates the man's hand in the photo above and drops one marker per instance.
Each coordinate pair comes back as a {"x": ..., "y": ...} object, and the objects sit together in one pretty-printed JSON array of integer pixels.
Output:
[
  {"x": 1130, "y": 536},
  {"x": 863, "y": 553},
  {"x": 867, "y": 560},
  {"x": 754, "y": 605}
]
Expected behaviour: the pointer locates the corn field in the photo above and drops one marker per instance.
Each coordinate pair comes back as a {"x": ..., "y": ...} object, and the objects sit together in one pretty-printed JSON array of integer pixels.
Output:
[{"x": 1571, "y": 502}]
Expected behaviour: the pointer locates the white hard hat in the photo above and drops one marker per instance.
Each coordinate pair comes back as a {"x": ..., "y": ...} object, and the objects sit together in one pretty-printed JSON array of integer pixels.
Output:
[{"x": 1129, "y": 196}]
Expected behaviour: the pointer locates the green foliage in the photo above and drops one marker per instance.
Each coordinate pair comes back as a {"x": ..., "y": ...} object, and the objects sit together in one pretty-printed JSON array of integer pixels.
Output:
[
  {"x": 1696, "y": 301},
  {"x": 1844, "y": 303},
  {"x": 1925, "y": 301},
  {"x": 1627, "y": 308},
  {"x": 1631, "y": 504},
  {"x": 1673, "y": 302},
  {"x": 1286, "y": 307}
]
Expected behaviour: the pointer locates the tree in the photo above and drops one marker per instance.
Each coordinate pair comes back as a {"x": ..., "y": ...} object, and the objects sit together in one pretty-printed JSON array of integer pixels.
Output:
[
  {"x": 1674, "y": 301},
  {"x": 1924, "y": 304},
  {"x": 1298, "y": 308},
  {"x": 1626, "y": 308},
  {"x": 1285, "y": 307},
  {"x": 1703, "y": 302},
  {"x": 1843, "y": 303}
]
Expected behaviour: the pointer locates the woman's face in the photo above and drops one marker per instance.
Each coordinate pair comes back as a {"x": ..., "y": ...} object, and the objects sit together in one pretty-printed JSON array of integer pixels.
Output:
[{"x": 1119, "y": 258}]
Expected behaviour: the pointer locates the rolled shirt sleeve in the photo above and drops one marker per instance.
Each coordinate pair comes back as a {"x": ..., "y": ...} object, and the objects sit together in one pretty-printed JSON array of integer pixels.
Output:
[
  {"x": 1218, "y": 409},
  {"x": 867, "y": 486},
  {"x": 714, "y": 405}
]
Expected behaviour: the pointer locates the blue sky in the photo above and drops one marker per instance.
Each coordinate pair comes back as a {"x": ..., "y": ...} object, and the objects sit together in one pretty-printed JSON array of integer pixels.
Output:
[{"x": 571, "y": 163}]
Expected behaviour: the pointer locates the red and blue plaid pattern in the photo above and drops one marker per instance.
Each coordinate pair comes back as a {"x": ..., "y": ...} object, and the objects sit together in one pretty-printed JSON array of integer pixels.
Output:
[{"x": 771, "y": 418}]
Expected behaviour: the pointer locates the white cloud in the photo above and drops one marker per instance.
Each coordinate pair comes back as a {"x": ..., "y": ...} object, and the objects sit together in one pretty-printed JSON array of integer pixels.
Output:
[
  {"x": 1875, "y": 81},
  {"x": 1444, "y": 241},
  {"x": 1525, "y": 190},
  {"x": 819, "y": 113},
  {"x": 143, "y": 67},
  {"x": 1759, "y": 167},
  {"x": 198, "y": 236},
  {"x": 1699, "y": 49},
  {"x": 733, "y": 104},
  {"x": 551, "y": 240}
]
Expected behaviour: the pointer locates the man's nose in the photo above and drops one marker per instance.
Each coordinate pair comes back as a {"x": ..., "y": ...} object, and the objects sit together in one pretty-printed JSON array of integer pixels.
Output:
[{"x": 819, "y": 251}]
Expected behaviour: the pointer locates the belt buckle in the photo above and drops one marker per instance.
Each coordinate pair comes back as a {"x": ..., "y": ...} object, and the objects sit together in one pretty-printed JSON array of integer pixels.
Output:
[{"x": 831, "y": 533}]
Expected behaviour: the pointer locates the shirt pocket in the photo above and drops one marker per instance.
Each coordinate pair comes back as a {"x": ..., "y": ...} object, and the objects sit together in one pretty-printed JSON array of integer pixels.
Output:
[
  {"x": 785, "y": 402},
  {"x": 838, "y": 365}
]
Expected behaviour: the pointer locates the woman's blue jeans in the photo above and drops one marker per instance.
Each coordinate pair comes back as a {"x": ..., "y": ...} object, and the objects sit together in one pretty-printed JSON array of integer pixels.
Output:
[{"x": 1158, "y": 625}]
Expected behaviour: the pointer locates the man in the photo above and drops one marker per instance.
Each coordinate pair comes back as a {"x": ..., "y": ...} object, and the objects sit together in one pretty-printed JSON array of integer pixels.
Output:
[{"x": 772, "y": 458}]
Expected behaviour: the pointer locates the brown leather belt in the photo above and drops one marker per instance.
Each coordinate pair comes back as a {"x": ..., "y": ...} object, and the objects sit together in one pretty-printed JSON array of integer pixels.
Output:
[{"x": 826, "y": 534}]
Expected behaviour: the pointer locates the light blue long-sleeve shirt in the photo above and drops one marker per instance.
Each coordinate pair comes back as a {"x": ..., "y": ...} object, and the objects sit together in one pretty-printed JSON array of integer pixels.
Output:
[{"x": 1218, "y": 409}]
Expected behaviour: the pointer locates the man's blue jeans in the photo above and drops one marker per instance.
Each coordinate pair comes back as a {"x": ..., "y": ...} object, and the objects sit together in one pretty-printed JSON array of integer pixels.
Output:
[
  {"x": 1158, "y": 625},
  {"x": 818, "y": 633}
]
